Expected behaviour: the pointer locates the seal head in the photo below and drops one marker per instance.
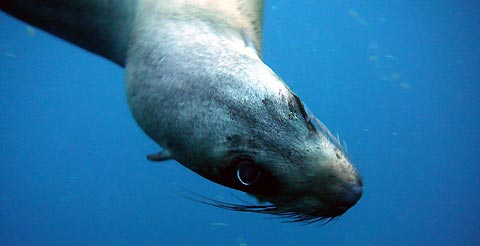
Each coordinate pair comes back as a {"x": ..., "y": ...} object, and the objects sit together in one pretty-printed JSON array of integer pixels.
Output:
[
  {"x": 292, "y": 162},
  {"x": 311, "y": 179}
]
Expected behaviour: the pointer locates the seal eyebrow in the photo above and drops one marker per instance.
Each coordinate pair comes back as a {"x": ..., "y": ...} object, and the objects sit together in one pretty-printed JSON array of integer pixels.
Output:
[{"x": 305, "y": 115}]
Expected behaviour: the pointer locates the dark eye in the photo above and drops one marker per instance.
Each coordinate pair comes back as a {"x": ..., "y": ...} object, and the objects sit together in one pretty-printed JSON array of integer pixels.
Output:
[
  {"x": 248, "y": 172},
  {"x": 245, "y": 174}
]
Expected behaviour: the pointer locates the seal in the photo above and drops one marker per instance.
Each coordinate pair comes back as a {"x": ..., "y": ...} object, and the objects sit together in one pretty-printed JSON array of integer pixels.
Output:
[{"x": 196, "y": 84}]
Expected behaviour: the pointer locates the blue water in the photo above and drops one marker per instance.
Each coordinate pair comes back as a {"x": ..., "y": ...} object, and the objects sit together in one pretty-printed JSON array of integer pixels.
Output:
[{"x": 399, "y": 81}]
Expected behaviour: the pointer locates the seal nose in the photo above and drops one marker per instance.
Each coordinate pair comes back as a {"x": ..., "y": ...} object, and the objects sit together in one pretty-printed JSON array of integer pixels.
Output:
[
  {"x": 349, "y": 197},
  {"x": 352, "y": 193}
]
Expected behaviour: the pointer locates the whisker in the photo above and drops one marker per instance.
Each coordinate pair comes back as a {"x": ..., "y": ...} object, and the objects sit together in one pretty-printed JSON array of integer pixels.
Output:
[
  {"x": 290, "y": 214},
  {"x": 345, "y": 146}
]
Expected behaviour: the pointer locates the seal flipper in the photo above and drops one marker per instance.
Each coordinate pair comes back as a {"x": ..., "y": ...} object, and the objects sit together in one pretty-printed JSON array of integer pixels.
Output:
[
  {"x": 100, "y": 26},
  {"x": 160, "y": 156}
]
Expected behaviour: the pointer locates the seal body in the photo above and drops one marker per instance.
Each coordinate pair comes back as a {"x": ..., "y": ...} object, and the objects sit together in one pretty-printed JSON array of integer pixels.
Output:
[{"x": 196, "y": 84}]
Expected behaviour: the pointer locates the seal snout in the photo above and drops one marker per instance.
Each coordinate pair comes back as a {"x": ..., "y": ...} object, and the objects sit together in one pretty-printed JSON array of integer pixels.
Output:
[
  {"x": 351, "y": 194},
  {"x": 349, "y": 197}
]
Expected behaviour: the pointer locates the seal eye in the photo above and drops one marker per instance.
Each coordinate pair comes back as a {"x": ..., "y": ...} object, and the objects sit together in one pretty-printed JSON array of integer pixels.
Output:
[{"x": 247, "y": 172}]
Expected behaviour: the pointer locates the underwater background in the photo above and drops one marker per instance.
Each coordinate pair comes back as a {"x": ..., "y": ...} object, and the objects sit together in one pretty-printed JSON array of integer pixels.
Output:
[{"x": 398, "y": 80}]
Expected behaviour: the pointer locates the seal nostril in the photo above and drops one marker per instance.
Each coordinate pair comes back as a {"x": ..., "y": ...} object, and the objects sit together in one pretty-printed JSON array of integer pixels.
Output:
[{"x": 351, "y": 195}]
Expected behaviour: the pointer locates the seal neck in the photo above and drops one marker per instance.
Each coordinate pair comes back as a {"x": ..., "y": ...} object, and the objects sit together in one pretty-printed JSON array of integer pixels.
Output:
[{"x": 183, "y": 72}]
